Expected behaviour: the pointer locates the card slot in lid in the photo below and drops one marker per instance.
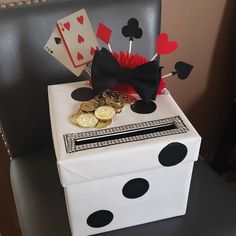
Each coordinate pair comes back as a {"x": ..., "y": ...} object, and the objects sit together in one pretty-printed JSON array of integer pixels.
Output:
[{"x": 123, "y": 134}]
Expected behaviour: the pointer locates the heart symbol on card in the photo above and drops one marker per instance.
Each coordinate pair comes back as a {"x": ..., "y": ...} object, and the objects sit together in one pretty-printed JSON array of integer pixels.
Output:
[
  {"x": 164, "y": 46},
  {"x": 80, "y": 19},
  {"x": 93, "y": 50},
  {"x": 79, "y": 56},
  {"x": 80, "y": 39},
  {"x": 67, "y": 25}
]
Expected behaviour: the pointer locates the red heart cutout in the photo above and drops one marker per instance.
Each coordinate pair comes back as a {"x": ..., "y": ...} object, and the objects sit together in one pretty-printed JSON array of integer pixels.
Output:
[
  {"x": 67, "y": 25},
  {"x": 80, "y": 39},
  {"x": 79, "y": 56},
  {"x": 92, "y": 50},
  {"x": 80, "y": 19},
  {"x": 164, "y": 46}
]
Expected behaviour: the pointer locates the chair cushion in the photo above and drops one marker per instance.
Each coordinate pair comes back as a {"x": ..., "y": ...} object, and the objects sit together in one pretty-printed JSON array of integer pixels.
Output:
[
  {"x": 39, "y": 196},
  {"x": 26, "y": 68},
  {"x": 42, "y": 211}
]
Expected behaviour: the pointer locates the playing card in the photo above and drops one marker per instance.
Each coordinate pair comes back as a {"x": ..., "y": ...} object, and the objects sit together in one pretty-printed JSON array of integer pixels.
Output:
[
  {"x": 78, "y": 37},
  {"x": 56, "y": 48}
]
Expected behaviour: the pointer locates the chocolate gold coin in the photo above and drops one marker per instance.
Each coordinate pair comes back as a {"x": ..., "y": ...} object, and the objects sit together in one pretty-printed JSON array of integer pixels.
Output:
[
  {"x": 103, "y": 123},
  {"x": 87, "y": 120},
  {"x": 80, "y": 111},
  {"x": 126, "y": 98},
  {"x": 73, "y": 118},
  {"x": 118, "y": 110},
  {"x": 89, "y": 106},
  {"x": 105, "y": 112}
]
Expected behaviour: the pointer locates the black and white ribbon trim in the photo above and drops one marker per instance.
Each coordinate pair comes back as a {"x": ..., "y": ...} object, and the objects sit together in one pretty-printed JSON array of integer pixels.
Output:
[{"x": 128, "y": 133}]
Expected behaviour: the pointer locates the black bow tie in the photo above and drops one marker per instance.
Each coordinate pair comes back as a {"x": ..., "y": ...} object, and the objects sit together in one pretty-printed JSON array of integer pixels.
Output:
[{"x": 107, "y": 73}]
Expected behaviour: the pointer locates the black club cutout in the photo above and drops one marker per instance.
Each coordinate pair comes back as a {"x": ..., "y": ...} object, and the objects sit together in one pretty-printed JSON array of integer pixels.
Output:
[
  {"x": 172, "y": 154},
  {"x": 135, "y": 188},
  {"x": 132, "y": 29},
  {"x": 83, "y": 94},
  {"x": 100, "y": 219}
]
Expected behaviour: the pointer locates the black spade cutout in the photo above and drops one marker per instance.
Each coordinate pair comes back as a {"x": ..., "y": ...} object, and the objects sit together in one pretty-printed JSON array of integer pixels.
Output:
[
  {"x": 183, "y": 69},
  {"x": 57, "y": 40},
  {"x": 135, "y": 188},
  {"x": 132, "y": 29},
  {"x": 100, "y": 219},
  {"x": 142, "y": 107},
  {"x": 172, "y": 154},
  {"x": 83, "y": 94}
]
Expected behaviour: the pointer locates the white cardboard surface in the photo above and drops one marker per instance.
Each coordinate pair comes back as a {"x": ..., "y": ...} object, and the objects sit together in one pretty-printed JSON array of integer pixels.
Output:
[
  {"x": 93, "y": 179},
  {"x": 116, "y": 159}
]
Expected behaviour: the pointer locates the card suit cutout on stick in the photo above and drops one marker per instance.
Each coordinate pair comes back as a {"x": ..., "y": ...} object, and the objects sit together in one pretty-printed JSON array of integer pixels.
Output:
[
  {"x": 104, "y": 33},
  {"x": 79, "y": 56},
  {"x": 57, "y": 40},
  {"x": 80, "y": 39},
  {"x": 67, "y": 25},
  {"x": 163, "y": 46},
  {"x": 183, "y": 69},
  {"x": 80, "y": 19},
  {"x": 132, "y": 29}
]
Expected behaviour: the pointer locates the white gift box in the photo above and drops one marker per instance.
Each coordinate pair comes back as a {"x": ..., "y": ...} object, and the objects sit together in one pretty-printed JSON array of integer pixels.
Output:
[{"x": 135, "y": 171}]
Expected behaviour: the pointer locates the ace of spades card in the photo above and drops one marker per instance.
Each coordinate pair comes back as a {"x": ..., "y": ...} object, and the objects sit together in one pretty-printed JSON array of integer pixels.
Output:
[
  {"x": 78, "y": 37},
  {"x": 56, "y": 48}
]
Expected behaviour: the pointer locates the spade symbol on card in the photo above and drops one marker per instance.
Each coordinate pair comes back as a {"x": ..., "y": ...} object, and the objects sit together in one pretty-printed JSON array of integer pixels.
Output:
[
  {"x": 79, "y": 56},
  {"x": 57, "y": 40},
  {"x": 183, "y": 69},
  {"x": 132, "y": 29}
]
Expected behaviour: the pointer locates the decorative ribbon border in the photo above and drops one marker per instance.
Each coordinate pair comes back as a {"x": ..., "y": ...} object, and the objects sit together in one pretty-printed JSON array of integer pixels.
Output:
[{"x": 71, "y": 139}]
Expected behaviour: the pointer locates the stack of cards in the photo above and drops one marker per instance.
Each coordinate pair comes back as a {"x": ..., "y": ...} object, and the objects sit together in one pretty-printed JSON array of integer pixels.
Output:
[{"x": 73, "y": 42}]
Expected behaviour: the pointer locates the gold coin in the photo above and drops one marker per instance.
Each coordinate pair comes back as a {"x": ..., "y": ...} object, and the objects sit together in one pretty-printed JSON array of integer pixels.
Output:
[
  {"x": 105, "y": 112},
  {"x": 117, "y": 105},
  {"x": 119, "y": 110},
  {"x": 103, "y": 123},
  {"x": 79, "y": 112},
  {"x": 126, "y": 98},
  {"x": 87, "y": 120},
  {"x": 89, "y": 106},
  {"x": 102, "y": 101},
  {"x": 73, "y": 118}
]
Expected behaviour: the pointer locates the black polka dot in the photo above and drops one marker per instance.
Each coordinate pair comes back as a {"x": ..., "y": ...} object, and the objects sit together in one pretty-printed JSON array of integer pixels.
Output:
[
  {"x": 100, "y": 219},
  {"x": 142, "y": 107},
  {"x": 135, "y": 188},
  {"x": 83, "y": 94},
  {"x": 173, "y": 154}
]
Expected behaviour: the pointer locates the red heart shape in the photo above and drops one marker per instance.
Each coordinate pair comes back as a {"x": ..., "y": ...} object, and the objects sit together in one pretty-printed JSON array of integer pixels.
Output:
[
  {"x": 164, "y": 46},
  {"x": 80, "y": 19},
  {"x": 92, "y": 50},
  {"x": 80, "y": 39},
  {"x": 79, "y": 56},
  {"x": 67, "y": 25}
]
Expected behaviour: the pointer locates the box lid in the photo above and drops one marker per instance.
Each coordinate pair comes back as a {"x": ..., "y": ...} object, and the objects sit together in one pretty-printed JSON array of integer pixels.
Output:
[{"x": 144, "y": 141}]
